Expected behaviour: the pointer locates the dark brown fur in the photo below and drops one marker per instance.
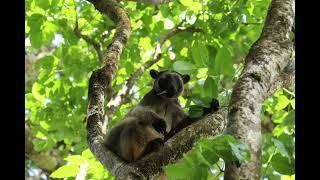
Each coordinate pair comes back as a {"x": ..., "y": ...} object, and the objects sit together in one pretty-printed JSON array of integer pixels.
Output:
[{"x": 144, "y": 128}]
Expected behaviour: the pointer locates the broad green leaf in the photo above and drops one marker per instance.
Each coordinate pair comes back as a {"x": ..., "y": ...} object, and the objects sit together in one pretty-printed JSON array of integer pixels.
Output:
[
  {"x": 281, "y": 147},
  {"x": 76, "y": 159},
  {"x": 293, "y": 103},
  {"x": 47, "y": 62},
  {"x": 200, "y": 54},
  {"x": 290, "y": 118},
  {"x": 239, "y": 151},
  {"x": 224, "y": 62},
  {"x": 38, "y": 92},
  {"x": 178, "y": 170},
  {"x": 186, "y": 2},
  {"x": 183, "y": 66},
  {"x": 44, "y": 4},
  {"x": 195, "y": 111},
  {"x": 283, "y": 102},
  {"x": 210, "y": 156},
  {"x": 35, "y": 22},
  {"x": 282, "y": 164},
  {"x": 36, "y": 39},
  {"x": 279, "y": 116},
  {"x": 42, "y": 145},
  {"x": 70, "y": 170},
  {"x": 227, "y": 148},
  {"x": 210, "y": 88}
]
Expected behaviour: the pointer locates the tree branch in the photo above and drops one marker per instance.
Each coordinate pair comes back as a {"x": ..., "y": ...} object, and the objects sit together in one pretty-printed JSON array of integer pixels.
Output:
[
  {"x": 101, "y": 79},
  {"x": 173, "y": 150},
  {"x": 153, "y": 2},
  {"x": 264, "y": 64},
  {"x": 95, "y": 45}
]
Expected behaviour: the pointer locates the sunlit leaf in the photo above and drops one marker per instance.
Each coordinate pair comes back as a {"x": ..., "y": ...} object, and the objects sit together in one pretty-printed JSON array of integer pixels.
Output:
[{"x": 66, "y": 171}]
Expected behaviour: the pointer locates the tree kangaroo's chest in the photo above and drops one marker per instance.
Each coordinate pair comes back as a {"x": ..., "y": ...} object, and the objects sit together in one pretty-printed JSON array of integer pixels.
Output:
[{"x": 170, "y": 112}]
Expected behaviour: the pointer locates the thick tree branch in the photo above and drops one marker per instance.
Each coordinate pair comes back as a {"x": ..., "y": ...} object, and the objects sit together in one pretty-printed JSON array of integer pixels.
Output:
[
  {"x": 153, "y": 2},
  {"x": 173, "y": 150},
  {"x": 124, "y": 96},
  {"x": 264, "y": 64},
  {"x": 95, "y": 45},
  {"x": 101, "y": 79}
]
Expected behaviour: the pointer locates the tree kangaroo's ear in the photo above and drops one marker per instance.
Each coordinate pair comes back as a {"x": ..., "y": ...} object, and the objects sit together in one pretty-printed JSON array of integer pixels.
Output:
[
  {"x": 185, "y": 78},
  {"x": 154, "y": 74}
]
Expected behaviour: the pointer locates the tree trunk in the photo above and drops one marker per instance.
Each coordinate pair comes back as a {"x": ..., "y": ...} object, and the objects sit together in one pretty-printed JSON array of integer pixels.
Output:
[{"x": 263, "y": 65}]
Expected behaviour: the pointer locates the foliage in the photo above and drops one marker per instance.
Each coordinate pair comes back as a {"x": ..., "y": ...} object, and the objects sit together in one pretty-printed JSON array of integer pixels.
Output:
[
  {"x": 57, "y": 101},
  {"x": 206, "y": 156},
  {"x": 278, "y": 151}
]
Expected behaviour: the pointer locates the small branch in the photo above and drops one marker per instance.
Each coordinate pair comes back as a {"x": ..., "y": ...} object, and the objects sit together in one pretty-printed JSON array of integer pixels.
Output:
[
  {"x": 251, "y": 23},
  {"x": 124, "y": 95},
  {"x": 153, "y": 2},
  {"x": 95, "y": 45}
]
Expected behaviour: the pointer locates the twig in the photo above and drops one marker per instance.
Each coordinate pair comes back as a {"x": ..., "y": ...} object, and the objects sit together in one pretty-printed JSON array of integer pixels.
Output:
[
  {"x": 155, "y": 58},
  {"x": 96, "y": 45}
]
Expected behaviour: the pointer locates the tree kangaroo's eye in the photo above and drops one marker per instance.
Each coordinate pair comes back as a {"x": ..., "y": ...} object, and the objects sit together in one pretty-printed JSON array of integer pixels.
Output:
[{"x": 162, "y": 83}]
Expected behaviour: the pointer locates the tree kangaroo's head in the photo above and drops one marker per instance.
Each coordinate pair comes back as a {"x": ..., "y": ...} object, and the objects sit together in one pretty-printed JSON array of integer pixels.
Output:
[{"x": 168, "y": 84}]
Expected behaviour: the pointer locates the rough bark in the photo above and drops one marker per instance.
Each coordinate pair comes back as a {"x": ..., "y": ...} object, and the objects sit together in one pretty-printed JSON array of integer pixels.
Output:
[
  {"x": 264, "y": 64},
  {"x": 101, "y": 79}
]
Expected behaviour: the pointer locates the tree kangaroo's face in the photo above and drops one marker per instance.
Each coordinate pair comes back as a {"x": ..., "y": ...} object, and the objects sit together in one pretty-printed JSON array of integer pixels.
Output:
[{"x": 168, "y": 84}]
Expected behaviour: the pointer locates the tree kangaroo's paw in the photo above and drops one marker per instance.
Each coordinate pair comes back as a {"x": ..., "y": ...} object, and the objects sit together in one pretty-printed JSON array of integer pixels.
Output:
[
  {"x": 160, "y": 126},
  {"x": 153, "y": 145}
]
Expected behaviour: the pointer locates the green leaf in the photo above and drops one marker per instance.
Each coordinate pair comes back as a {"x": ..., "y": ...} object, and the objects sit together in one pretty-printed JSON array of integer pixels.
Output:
[
  {"x": 195, "y": 111},
  {"x": 289, "y": 144},
  {"x": 186, "y": 2},
  {"x": 38, "y": 92},
  {"x": 42, "y": 145},
  {"x": 279, "y": 116},
  {"x": 226, "y": 147},
  {"x": 283, "y": 102},
  {"x": 200, "y": 54},
  {"x": 35, "y": 22},
  {"x": 44, "y": 4},
  {"x": 281, "y": 147},
  {"x": 282, "y": 164},
  {"x": 183, "y": 67},
  {"x": 75, "y": 159},
  {"x": 224, "y": 62},
  {"x": 210, "y": 87},
  {"x": 293, "y": 103},
  {"x": 210, "y": 156},
  {"x": 46, "y": 62},
  {"x": 70, "y": 170},
  {"x": 290, "y": 118},
  {"x": 180, "y": 170},
  {"x": 239, "y": 151},
  {"x": 36, "y": 39}
]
